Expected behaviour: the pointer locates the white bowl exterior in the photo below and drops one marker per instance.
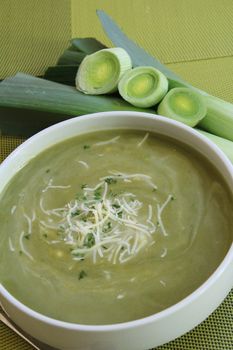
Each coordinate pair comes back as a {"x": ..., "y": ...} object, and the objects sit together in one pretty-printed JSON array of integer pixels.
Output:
[{"x": 150, "y": 331}]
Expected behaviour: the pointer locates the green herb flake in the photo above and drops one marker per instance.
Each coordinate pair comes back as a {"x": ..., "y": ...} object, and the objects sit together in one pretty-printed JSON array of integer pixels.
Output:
[
  {"x": 107, "y": 227},
  {"x": 82, "y": 274},
  {"x": 110, "y": 180},
  {"x": 47, "y": 171},
  {"x": 20, "y": 252},
  {"x": 112, "y": 194},
  {"x": 97, "y": 194},
  {"x": 83, "y": 186},
  {"x": 89, "y": 240},
  {"x": 116, "y": 206},
  {"x": 45, "y": 235},
  {"x": 86, "y": 146},
  {"x": 76, "y": 212},
  {"x": 27, "y": 237},
  {"x": 77, "y": 254}
]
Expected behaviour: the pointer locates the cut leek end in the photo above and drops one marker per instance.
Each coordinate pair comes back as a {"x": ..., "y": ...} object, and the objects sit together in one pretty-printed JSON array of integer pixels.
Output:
[
  {"x": 143, "y": 86},
  {"x": 100, "y": 72},
  {"x": 183, "y": 105}
]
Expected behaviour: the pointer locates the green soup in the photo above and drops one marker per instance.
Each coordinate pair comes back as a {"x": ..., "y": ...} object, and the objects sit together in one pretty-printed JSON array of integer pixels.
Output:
[{"x": 112, "y": 226}]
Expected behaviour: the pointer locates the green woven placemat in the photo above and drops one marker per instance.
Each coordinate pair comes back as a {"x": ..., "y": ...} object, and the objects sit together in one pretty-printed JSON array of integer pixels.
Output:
[{"x": 33, "y": 33}]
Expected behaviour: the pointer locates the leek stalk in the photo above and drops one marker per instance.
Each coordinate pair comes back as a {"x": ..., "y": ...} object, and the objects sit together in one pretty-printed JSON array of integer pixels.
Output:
[
  {"x": 27, "y": 92},
  {"x": 225, "y": 145},
  {"x": 219, "y": 117},
  {"x": 100, "y": 72},
  {"x": 143, "y": 86}
]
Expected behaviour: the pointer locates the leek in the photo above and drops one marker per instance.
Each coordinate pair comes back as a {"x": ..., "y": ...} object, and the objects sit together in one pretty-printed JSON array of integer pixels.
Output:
[
  {"x": 225, "y": 145},
  {"x": 219, "y": 117},
  {"x": 100, "y": 72},
  {"x": 70, "y": 57},
  {"x": 143, "y": 86},
  {"x": 87, "y": 45},
  {"x": 27, "y": 92},
  {"x": 183, "y": 105},
  {"x": 62, "y": 74}
]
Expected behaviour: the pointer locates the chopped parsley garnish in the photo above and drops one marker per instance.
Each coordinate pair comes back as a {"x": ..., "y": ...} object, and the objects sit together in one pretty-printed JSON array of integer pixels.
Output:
[
  {"x": 80, "y": 197},
  {"x": 82, "y": 274},
  {"x": 83, "y": 186},
  {"x": 77, "y": 255},
  {"x": 116, "y": 206},
  {"x": 97, "y": 194},
  {"x": 112, "y": 194},
  {"x": 89, "y": 240},
  {"x": 86, "y": 146},
  {"x": 110, "y": 180},
  {"x": 107, "y": 227},
  {"x": 45, "y": 235},
  {"x": 27, "y": 236},
  {"x": 76, "y": 212},
  {"x": 47, "y": 171}
]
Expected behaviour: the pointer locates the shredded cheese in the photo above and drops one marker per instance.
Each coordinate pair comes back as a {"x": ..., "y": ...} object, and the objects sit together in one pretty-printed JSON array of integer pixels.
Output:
[
  {"x": 103, "y": 143},
  {"x": 143, "y": 140},
  {"x": 105, "y": 225},
  {"x": 84, "y": 164}
]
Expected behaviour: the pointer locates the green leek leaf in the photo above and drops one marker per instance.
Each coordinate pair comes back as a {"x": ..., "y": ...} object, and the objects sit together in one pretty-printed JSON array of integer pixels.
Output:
[
  {"x": 71, "y": 57},
  {"x": 26, "y": 91},
  {"x": 62, "y": 74},
  {"x": 87, "y": 45}
]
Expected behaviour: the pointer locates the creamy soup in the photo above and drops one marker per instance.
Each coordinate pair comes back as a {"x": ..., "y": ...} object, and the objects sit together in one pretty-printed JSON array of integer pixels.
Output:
[{"x": 112, "y": 226}]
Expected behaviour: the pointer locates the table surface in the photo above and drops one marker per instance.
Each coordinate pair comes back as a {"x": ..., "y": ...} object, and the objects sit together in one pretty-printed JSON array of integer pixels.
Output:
[{"x": 194, "y": 38}]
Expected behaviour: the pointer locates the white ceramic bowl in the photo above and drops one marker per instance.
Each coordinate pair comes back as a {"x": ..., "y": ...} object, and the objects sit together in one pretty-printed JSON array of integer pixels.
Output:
[{"x": 150, "y": 331}]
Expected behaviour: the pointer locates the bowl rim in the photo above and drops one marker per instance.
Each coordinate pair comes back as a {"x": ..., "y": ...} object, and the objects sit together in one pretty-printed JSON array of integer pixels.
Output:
[{"x": 159, "y": 315}]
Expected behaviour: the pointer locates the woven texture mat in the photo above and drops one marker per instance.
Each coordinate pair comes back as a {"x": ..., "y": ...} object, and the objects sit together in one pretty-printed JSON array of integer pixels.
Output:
[{"x": 194, "y": 37}]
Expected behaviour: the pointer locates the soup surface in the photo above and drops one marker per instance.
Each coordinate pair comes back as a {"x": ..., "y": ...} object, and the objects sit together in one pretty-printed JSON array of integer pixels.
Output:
[{"x": 112, "y": 226}]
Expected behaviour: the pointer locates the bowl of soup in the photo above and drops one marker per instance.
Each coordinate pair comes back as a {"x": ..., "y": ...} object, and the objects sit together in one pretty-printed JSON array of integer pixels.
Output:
[{"x": 116, "y": 231}]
